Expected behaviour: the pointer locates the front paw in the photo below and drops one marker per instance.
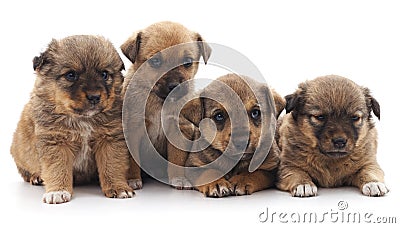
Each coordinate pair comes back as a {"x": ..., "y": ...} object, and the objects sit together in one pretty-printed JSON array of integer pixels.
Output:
[
  {"x": 135, "y": 183},
  {"x": 120, "y": 193},
  {"x": 180, "y": 183},
  {"x": 216, "y": 189},
  {"x": 241, "y": 186},
  {"x": 304, "y": 190},
  {"x": 374, "y": 189},
  {"x": 56, "y": 197},
  {"x": 36, "y": 180}
]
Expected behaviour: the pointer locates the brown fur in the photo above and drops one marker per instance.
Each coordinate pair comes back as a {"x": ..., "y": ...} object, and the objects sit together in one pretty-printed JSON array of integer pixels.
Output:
[
  {"x": 147, "y": 44},
  {"x": 239, "y": 181},
  {"x": 70, "y": 131},
  {"x": 328, "y": 139}
]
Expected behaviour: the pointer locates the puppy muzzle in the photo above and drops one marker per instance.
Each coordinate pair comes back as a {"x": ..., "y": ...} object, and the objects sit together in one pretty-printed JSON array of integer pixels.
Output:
[{"x": 336, "y": 153}]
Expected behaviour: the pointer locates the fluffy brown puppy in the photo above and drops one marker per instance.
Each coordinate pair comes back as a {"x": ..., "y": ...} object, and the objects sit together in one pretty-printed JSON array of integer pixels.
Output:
[
  {"x": 70, "y": 131},
  {"x": 231, "y": 138},
  {"x": 328, "y": 139},
  {"x": 150, "y": 48}
]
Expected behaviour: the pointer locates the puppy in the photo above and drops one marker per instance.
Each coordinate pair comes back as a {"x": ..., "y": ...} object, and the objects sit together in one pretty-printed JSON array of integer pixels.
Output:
[
  {"x": 70, "y": 131},
  {"x": 228, "y": 168},
  {"x": 150, "y": 50},
  {"x": 328, "y": 139}
]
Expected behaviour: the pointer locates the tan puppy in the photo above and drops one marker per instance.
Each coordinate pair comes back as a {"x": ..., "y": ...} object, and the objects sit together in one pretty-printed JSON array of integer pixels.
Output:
[
  {"x": 70, "y": 131},
  {"x": 149, "y": 48},
  {"x": 231, "y": 137},
  {"x": 328, "y": 139}
]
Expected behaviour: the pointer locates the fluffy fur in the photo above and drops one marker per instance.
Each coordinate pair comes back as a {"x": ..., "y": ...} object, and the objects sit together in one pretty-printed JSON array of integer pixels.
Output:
[
  {"x": 225, "y": 144},
  {"x": 328, "y": 139},
  {"x": 152, "y": 45},
  {"x": 70, "y": 131}
]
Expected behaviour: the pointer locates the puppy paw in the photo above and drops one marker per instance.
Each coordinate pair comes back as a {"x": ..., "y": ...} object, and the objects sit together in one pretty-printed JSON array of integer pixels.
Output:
[
  {"x": 305, "y": 190},
  {"x": 374, "y": 189},
  {"x": 119, "y": 193},
  {"x": 216, "y": 189},
  {"x": 56, "y": 197},
  {"x": 241, "y": 186},
  {"x": 36, "y": 180},
  {"x": 125, "y": 194},
  {"x": 135, "y": 183},
  {"x": 180, "y": 183}
]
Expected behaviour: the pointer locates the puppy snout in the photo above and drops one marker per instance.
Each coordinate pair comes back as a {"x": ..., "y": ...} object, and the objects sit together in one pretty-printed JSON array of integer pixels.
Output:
[
  {"x": 339, "y": 143},
  {"x": 93, "y": 98},
  {"x": 240, "y": 144},
  {"x": 240, "y": 140}
]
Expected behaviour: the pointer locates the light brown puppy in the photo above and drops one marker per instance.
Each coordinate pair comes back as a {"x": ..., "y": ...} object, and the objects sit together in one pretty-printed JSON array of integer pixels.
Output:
[
  {"x": 328, "y": 139},
  {"x": 261, "y": 106},
  {"x": 70, "y": 131},
  {"x": 150, "y": 49}
]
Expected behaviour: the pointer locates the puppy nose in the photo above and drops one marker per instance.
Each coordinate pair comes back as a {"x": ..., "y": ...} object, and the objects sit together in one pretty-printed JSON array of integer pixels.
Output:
[
  {"x": 240, "y": 140},
  {"x": 172, "y": 85},
  {"x": 339, "y": 143},
  {"x": 240, "y": 144},
  {"x": 93, "y": 99}
]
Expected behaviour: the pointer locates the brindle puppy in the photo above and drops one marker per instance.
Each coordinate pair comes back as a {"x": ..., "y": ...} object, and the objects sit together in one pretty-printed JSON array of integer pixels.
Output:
[
  {"x": 70, "y": 131},
  {"x": 261, "y": 106},
  {"x": 328, "y": 139}
]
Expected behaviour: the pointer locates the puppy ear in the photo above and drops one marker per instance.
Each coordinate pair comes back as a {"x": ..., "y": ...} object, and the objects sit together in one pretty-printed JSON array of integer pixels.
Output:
[
  {"x": 131, "y": 47},
  {"x": 122, "y": 65},
  {"x": 372, "y": 104},
  {"x": 295, "y": 101},
  {"x": 190, "y": 117},
  {"x": 205, "y": 49},
  {"x": 279, "y": 103},
  {"x": 37, "y": 61},
  {"x": 376, "y": 108},
  {"x": 43, "y": 58},
  {"x": 291, "y": 102}
]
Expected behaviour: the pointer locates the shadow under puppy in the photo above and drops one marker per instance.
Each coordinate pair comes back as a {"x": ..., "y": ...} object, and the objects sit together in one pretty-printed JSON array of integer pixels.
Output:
[
  {"x": 236, "y": 116},
  {"x": 158, "y": 66},
  {"x": 70, "y": 131},
  {"x": 328, "y": 139}
]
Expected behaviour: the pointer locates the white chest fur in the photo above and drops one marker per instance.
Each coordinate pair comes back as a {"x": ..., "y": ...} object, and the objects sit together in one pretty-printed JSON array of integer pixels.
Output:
[{"x": 84, "y": 157}]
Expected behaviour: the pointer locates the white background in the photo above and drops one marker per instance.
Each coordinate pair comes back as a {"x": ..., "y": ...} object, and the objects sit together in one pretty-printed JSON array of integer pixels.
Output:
[{"x": 289, "y": 41}]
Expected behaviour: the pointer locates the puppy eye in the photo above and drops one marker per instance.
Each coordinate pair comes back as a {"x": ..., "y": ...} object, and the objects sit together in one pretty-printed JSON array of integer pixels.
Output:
[
  {"x": 155, "y": 62},
  {"x": 355, "y": 118},
  {"x": 71, "y": 76},
  {"x": 319, "y": 117},
  {"x": 105, "y": 75},
  {"x": 255, "y": 114},
  {"x": 219, "y": 117},
  {"x": 187, "y": 62}
]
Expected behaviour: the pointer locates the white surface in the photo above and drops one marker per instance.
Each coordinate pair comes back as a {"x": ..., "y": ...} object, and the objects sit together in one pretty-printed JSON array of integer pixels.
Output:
[
  {"x": 160, "y": 204},
  {"x": 290, "y": 41}
]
